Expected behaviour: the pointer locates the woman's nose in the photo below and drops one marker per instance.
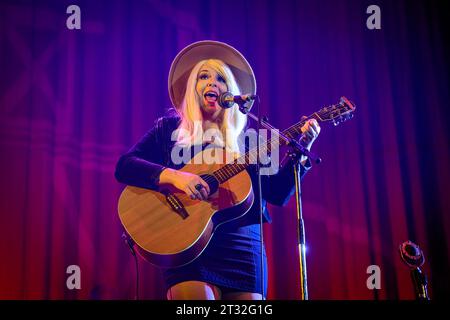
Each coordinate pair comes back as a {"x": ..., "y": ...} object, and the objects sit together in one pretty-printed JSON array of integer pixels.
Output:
[{"x": 211, "y": 84}]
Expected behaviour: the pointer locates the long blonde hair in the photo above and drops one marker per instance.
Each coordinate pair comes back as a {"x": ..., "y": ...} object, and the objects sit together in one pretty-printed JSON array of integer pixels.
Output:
[{"x": 233, "y": 121}]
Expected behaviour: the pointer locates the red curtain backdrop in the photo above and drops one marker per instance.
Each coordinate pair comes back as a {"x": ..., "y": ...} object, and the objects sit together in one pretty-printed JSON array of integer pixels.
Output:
[{"x": 71, "y": 101}]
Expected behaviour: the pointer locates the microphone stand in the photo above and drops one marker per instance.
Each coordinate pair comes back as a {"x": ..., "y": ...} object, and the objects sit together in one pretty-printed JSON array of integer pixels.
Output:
[
  {"x": 246, "y": 111},
  {"x": 297, "y": 150}
]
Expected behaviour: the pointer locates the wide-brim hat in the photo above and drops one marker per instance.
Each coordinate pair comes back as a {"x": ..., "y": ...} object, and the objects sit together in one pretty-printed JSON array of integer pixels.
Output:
[{"x": 187, "y": 58}]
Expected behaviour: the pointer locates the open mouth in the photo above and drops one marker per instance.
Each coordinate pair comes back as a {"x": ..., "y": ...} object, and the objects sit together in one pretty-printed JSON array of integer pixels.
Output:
[{"x": 211, "y": 96}]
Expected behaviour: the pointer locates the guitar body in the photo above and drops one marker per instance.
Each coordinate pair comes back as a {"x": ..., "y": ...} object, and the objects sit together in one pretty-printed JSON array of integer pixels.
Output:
[{"x": 167, "y": 238}]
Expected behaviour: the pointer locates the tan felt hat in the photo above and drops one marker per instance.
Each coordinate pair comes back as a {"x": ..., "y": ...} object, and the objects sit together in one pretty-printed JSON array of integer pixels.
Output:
[{"x": 187, "y": 58}]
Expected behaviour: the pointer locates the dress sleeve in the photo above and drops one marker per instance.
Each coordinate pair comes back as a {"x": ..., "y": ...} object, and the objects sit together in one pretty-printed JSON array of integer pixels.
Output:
[{"x": 142, "y": 165}]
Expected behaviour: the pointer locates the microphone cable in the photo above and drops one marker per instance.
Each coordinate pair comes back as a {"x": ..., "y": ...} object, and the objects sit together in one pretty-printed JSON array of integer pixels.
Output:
[
  {"x": 261, "y": 229},
  {"x": 130, "y": 245}
]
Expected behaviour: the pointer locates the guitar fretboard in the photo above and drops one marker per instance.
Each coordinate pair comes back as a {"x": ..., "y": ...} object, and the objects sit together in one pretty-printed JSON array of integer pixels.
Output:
[
  {"x": 337, "y": 113},
  {"x": 240, "y": 164}
]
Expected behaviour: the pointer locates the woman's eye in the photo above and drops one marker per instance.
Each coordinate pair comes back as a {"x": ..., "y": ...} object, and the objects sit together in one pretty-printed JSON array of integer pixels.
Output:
[
  {"x": 203, "y": 76},
  {"x": 221, "y": 79}
]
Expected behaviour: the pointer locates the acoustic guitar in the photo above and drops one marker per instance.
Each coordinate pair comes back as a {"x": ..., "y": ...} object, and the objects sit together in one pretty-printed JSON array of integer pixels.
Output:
[{"x": 170, "y": 229}]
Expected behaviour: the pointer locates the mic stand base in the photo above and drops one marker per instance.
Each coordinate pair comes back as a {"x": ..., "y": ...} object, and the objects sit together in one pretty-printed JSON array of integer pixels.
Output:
[{"x": 420, "y": 284}]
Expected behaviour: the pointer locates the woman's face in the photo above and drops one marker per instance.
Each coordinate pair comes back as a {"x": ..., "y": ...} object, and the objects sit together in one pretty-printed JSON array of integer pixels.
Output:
[{"x": 210, "y": 85}]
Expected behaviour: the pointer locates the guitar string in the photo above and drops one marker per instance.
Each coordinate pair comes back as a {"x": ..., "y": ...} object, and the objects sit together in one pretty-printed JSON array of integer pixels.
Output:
[{"x": 227, "y": 170}]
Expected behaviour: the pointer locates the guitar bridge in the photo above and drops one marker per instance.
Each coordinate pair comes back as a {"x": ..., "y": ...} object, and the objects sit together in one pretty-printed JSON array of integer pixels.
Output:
[{"x": 176, "y": 205}]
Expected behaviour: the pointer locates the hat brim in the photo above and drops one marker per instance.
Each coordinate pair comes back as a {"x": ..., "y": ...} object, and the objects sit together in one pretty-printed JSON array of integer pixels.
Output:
[{"x": 187, "y": 58}]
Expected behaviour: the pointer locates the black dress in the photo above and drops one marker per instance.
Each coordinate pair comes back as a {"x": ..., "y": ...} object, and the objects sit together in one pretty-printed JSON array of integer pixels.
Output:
[{"x": 232, "y": 259}]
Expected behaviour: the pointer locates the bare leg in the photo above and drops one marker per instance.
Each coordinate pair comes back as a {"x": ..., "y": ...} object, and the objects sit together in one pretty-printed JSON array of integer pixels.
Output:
[
  {"x": 242, "y": 296},
  {"x": 193, "y": 290}
]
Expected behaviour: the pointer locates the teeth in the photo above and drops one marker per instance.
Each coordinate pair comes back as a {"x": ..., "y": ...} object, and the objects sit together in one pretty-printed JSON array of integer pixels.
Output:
[{"x": 211, "y": 94}]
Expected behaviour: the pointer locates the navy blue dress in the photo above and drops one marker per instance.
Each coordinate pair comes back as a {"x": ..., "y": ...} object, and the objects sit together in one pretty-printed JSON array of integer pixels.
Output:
[{"x": 232, "y": 259}]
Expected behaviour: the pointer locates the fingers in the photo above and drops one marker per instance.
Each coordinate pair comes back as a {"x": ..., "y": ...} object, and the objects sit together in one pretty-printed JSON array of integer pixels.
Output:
[
  {"x": 204, "y": 193},
  {"x": 194, "y": 193},
  {"x": 191, "y": 192},
  {"x": 201, "y": 193},
  {"x": 315, "y": 126},
  {"x": 310, "y": 130},
  {"x": 205, "y": 186},
  {"x": 308, "y": 136}
]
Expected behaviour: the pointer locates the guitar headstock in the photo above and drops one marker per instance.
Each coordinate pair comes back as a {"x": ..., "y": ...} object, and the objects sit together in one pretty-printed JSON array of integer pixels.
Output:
[{"x": 337, "y": 113}]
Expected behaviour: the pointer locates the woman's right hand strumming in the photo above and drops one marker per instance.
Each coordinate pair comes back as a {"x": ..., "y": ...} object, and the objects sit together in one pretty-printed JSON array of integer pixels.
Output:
[{"x": 185, "y": 182}]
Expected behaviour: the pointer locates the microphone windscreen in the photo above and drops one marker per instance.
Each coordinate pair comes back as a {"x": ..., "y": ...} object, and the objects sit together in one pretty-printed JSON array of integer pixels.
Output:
[{"x": 226, "y": 100}]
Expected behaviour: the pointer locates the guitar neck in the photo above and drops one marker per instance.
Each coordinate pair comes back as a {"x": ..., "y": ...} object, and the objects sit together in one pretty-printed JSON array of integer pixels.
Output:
[
  {"x": 240, "y": 164},
  {"x": 335, "y": 113}
]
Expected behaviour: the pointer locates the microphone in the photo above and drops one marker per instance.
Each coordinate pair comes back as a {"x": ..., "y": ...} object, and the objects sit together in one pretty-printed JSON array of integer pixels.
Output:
[
  {"x": 413, "y": 257},
  {"x": 227, "y": 99}
]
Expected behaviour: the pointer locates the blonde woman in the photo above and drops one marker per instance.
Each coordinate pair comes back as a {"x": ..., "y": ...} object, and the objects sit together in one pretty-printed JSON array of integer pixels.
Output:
[{"x": 229, "y": 268}]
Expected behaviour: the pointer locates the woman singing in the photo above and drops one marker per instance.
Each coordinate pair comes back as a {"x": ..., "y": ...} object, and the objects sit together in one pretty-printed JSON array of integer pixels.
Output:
[{"x": 229, "y": 268}]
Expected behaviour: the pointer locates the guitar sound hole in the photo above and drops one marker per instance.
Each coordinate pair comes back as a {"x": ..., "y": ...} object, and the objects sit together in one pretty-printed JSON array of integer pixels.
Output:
[{"x": 212, "y": 182}]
